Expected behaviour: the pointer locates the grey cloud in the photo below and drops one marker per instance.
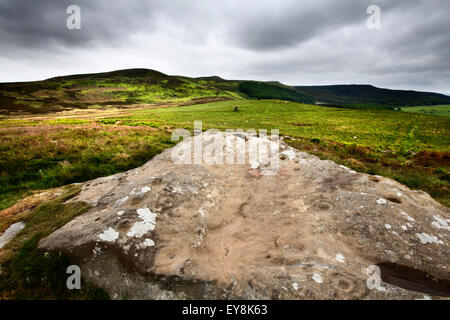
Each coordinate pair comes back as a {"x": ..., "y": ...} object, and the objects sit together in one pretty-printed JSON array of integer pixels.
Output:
[
  {"x": 285, "y": 24},
  {"x": 297, "y": 42},
  {"x": 42, "y": 23}
]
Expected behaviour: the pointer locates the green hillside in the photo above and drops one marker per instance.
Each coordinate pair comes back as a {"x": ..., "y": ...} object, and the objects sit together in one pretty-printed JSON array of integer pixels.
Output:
[
  {"x": 123, "y": 89},
  {"x": 367, "y": 96},
  {"x": 261, "y": 90},
  {"x": 133, "y": 88}
]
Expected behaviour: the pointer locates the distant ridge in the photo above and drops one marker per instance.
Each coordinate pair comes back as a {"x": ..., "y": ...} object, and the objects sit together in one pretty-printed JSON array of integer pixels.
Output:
[
  {"x": 138, "y": 72},
  {"x": 369, "y": 96}
]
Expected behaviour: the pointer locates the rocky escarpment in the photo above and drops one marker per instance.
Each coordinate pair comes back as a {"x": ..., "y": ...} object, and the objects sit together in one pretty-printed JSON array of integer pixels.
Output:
[{"x": 311, "y": 230}]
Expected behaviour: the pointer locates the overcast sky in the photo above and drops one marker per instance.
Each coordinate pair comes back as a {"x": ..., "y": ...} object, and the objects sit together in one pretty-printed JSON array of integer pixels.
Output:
[{"x": 296, "y": 42}]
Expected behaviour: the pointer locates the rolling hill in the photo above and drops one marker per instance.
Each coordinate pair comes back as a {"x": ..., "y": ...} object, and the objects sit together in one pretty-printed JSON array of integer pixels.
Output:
[
  {"x": 261, "y": 90},
  {"x": 123, "y": 88},
  {"x": 143, "y": 87}
]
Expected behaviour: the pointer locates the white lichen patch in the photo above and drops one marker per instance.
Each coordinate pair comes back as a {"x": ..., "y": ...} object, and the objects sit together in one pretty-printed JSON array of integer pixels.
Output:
[
  {"x": 145, "y": 190},
  {"x": 142, "y": 227},
  {"x": 109, "y": 235},
  {"x": 147, "y": 243},
  {"x": 290, "y": 153},
  {"x": 441, "y": 223},
  {"x": 340, "y": 258},
  {"x": 426, "y": 238},
  {"x": 121, "y": 201},
  {"x": 96, "y": 251},
  {"x": 411, "y": 219},
  {"x": 381, "y": 201},
  {"x": 303, "y": 162},
  {"x": 141, "y": 192},
  {"x": 317, "y": 278}
]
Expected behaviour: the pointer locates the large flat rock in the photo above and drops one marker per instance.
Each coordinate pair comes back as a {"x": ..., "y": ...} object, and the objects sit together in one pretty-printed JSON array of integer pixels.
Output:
[{"x": 313, "y": 230}]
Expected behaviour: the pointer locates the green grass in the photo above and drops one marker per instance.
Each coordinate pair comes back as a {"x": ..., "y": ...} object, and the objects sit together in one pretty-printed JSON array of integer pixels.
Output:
[
  {"x": 29, "y": 273},
  {"x": 442, "y": 110},
  {"x": 46, "y": 156},
  {"x": 377, "y": 129}
]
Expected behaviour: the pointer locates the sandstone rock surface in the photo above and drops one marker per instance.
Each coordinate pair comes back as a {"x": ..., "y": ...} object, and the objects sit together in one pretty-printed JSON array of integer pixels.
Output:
[{"x": 313, "y": 230}]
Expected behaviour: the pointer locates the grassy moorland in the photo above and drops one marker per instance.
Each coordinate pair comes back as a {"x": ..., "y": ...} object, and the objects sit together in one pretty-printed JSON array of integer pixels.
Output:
[
  {"x": 52, "y": 154},
  {"x": 54, "y": 151}
]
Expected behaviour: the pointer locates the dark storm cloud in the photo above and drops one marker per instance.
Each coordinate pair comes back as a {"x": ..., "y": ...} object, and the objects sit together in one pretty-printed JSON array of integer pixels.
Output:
[
  {"x": 42, "y": 23},
  {"x": 287, "y": 23},
  {"x": 283, "y": 25},
  {"x": 297, "y": 42}
]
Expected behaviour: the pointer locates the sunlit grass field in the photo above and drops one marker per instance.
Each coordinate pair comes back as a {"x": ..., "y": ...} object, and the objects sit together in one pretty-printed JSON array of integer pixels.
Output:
[
  {"x": 45, "y": 156},
  {"x": 377, "y": 129},
  {"x": 443, "y": 110}
]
